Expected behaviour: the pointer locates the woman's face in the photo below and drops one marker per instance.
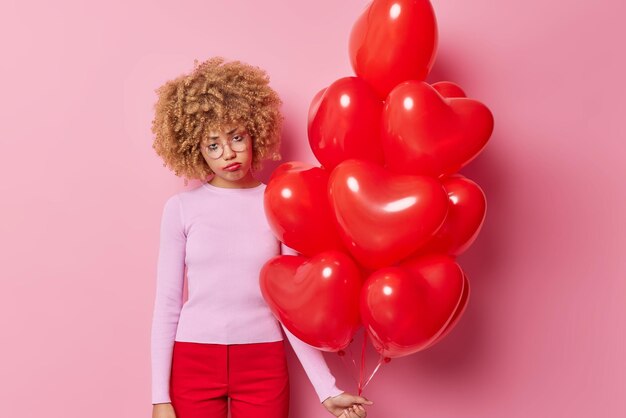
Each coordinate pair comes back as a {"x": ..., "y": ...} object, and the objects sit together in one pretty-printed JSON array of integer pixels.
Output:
[{"x": 229, "y": 155}]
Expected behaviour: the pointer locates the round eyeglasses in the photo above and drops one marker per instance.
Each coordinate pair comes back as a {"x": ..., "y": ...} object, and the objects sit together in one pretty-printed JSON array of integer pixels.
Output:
[{"x": 237, "y": 143}]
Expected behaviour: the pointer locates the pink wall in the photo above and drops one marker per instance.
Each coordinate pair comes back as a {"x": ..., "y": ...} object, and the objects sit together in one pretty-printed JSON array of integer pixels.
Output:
[{"x": 82, "y": 191}]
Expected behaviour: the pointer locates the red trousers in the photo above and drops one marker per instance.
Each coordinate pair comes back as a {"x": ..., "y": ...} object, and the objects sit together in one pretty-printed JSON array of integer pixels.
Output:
[{"x": 254, "y": 377}]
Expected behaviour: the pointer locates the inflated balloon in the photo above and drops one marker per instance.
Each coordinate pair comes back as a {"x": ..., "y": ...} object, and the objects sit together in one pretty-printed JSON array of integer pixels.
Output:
[
  {"x": 394, "y": 41},
  {"x": 458, "y": 312},
  {"x": 466, "y": 214},
  {"x": 386, "y": 204},
  {"x": 346, "y": 123},
  {"x": 426, "y": 133},
  {"x": 384, "y": 217},
  {"x": 315, "y": 104},
  {"x": 448, "y": 89},
  {"x": 297, "y": 209},
  {"x": 317, "y": 299},
  {"x": 405, "y": 308}
]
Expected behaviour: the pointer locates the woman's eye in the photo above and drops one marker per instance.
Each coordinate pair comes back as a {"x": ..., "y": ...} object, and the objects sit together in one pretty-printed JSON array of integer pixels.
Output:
[
  {"x": 212, "y": 147},
  {"x": 238, "y": 138}
]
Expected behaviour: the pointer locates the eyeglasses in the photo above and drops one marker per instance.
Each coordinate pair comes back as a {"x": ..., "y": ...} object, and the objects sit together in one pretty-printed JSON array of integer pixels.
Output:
[{"x": 238, "y": 142}]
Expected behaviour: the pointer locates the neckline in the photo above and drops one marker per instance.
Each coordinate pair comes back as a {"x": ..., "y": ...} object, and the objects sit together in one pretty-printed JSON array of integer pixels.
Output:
[{"x": 209, "y": 186}]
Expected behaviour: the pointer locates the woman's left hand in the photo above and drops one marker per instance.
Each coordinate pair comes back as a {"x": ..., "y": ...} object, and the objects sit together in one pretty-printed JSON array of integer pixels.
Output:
[{"x": 347, "y": 405}]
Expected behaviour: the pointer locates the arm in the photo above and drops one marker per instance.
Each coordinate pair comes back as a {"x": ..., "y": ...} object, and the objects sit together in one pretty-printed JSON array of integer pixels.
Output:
[
  {"x": 315, "y": 366},
  {"x": 169, "y": 297},
  {"x": 336, "y": 401},
  {"x": 311, "y": 358}
]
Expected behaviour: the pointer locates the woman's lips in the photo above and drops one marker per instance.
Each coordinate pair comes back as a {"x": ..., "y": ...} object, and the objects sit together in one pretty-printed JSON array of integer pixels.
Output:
[{"x": 232, "y": 167}]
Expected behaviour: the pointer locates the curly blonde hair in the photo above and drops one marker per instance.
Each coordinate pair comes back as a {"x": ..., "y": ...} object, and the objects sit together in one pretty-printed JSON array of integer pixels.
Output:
[{"x": 214, "y": 95}]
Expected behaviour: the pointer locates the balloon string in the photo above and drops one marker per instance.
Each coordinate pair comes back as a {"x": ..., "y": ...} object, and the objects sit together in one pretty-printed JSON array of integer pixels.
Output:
[
  {"x": 381, "y": 360},
  {"x": 362, "y": 381},
  {"x": 361, "y": 386},
  {"x": 349, "y": 367},
  {"x": 355, "y": 367}
]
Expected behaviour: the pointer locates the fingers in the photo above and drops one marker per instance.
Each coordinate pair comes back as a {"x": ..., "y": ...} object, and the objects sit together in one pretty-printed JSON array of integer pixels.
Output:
[
  {"x": 349, "y": 414},
  {"x": 356, "y": 411},
  {"x": 359, "y": 411},
  {"x": 360, "y": 399}
]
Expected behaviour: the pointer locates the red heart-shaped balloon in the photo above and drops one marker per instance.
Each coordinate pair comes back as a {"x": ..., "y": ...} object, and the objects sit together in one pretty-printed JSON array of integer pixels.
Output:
[
  {"x": 457, "y": 313},
  {"x": 317, "y": 299},
  {"x": 297, "y": 208},
  {"x": 345, "y": 123},
  {"x": 394, "y": 41},
  {"x": 426, "y": 133},
  {"x": 448, "y": 89},
  {"x": 383, "y": 217},
  {"x": 465, "y": 217},
  {"x": 315, "y": 105},
  {"x": 406, "y": 307}
]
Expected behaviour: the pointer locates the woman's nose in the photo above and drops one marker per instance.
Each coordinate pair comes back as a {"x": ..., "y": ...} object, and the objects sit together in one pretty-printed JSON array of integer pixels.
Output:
[{"x": 228, "y": 152}]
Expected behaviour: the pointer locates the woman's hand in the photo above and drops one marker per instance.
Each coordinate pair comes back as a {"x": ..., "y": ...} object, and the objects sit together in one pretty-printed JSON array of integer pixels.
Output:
[
  {"x": 347, "y": 405},
  {"x": 163, "y": 410}
]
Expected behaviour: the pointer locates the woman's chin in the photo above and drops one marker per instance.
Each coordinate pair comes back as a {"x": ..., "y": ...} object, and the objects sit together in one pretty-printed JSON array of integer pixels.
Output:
[{"x": 232, "y": 176}]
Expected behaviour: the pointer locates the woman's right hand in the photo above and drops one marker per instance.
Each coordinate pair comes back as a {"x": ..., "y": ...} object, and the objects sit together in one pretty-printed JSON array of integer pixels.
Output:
[{"x": 163, "y": 410}]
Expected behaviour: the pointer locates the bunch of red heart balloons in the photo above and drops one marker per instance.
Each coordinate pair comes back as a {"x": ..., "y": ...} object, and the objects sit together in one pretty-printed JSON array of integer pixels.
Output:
[{"x": 380, "y": 222}]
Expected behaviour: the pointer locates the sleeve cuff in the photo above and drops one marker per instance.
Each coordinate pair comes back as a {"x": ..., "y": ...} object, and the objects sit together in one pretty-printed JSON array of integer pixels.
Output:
[
  {"x": 161, "y": 399},
  {"x": 334, "y": 391}
]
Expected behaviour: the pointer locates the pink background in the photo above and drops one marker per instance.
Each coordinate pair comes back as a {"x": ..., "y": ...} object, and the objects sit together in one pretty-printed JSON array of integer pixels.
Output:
[{"x": 82, "y": 192}]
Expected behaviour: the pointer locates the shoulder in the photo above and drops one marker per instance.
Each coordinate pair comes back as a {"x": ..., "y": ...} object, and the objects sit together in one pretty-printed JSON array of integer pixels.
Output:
[
  {"x": 185, "y": 197},
  {"x": 177, "y": 202}
]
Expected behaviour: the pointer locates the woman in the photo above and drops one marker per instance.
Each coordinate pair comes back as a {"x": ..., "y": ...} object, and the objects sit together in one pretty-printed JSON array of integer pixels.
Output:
[{"x": 222, "y": 347}]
